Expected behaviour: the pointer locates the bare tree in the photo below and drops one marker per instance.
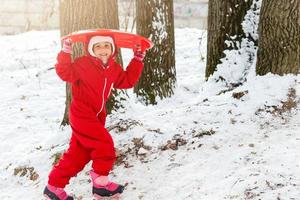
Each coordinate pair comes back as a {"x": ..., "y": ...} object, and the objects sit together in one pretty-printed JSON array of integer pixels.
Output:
[
  {"x": 155, "y": 20},
  {"x": 279, "y": 37},
  {"x": 225, "y": 19},
  {"x": 80, "y": 15},
  {"x": 127, "y": 14}
]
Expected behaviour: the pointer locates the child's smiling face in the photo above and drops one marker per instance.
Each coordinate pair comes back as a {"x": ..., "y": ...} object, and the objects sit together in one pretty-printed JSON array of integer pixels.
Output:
[{"x": 103, "y": 51}]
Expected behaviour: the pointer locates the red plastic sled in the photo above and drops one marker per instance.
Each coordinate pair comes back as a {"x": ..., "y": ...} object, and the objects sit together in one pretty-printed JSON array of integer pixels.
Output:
[{"x": 122, "y": 39}]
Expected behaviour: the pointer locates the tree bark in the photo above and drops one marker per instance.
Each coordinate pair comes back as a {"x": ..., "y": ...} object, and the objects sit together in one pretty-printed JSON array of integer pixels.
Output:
[
  {"x": 155, "y": 20},
  {"x": 225, "y": 19},
  {"x": 279, "y": 38},
  {"x": 78, "y": 15}
]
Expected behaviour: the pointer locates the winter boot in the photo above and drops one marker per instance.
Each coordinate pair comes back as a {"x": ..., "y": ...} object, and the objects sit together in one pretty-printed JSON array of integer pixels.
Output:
[
  {"x": 55, "y": 193},
  {"x": 103, "y": 188}
]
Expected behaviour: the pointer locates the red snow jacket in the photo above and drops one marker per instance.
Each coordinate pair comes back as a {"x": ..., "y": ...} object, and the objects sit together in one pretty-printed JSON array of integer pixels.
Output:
[{"x": 92, "y": 83}]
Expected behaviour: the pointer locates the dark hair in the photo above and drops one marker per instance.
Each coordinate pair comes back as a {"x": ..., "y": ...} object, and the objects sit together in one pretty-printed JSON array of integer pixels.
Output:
[{"x": 111, "y": 47}]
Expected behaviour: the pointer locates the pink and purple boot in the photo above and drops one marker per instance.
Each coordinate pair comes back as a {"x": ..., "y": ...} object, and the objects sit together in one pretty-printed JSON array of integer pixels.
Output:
[
  {"x": 55, "y": 193},
  {"x": 103, "y": 188}
]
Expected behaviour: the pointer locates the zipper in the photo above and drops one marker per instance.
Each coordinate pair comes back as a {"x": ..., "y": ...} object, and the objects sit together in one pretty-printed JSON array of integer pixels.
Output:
[
  {"x": 105, "y": 82},
  {"x": 112, "y": 85}
]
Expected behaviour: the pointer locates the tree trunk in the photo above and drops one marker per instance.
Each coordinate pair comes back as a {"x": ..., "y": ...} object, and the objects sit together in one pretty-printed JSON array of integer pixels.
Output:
[
  {"x": 78, "y": 15},
  {"x": 155, "y": 20},
  {"x": 225, "y": 19},
  {"x": 279, "y": 38}
]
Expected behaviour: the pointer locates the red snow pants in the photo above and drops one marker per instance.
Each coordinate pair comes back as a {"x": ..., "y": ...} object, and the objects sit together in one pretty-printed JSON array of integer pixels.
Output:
[{"x": 83, "y": 149}]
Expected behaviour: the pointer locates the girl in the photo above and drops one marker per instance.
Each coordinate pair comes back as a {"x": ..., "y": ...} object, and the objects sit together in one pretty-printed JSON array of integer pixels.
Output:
[{"x": 92, "y": 77}]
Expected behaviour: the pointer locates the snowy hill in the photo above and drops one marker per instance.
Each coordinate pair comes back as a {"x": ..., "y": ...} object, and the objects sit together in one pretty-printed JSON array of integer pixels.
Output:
[{"x": 197, "y": 145}]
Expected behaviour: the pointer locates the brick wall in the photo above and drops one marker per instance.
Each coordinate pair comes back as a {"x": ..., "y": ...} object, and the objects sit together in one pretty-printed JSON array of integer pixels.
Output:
[
  {"x": 18, "y": 16},
  {"x": 23, "y": 15}
]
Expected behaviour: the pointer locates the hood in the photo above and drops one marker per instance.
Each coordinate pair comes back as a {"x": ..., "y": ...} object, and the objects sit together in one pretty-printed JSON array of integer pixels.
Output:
[{"x": 96, "y": 39}]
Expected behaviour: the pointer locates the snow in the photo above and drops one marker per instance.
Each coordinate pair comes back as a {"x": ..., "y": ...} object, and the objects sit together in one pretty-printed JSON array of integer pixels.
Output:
[
  {"x": 198, "y": 144},
  {"x": 160, "y": 22},
  {"x": 238, "y": 62}
]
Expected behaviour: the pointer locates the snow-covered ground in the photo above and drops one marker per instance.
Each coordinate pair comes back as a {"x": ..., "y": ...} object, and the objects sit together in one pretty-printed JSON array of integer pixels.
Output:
[{"x": 196, "y": 145}]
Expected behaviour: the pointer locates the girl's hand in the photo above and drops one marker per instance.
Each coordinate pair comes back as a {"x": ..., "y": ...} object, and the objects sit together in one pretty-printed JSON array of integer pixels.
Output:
[
  {"x": 67, "y": 46},
  {"x": 138, "y": 54}
]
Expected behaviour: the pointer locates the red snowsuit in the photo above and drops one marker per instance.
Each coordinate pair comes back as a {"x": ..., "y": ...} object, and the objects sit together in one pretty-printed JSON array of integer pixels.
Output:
[{"x": 92, "y": 83}]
